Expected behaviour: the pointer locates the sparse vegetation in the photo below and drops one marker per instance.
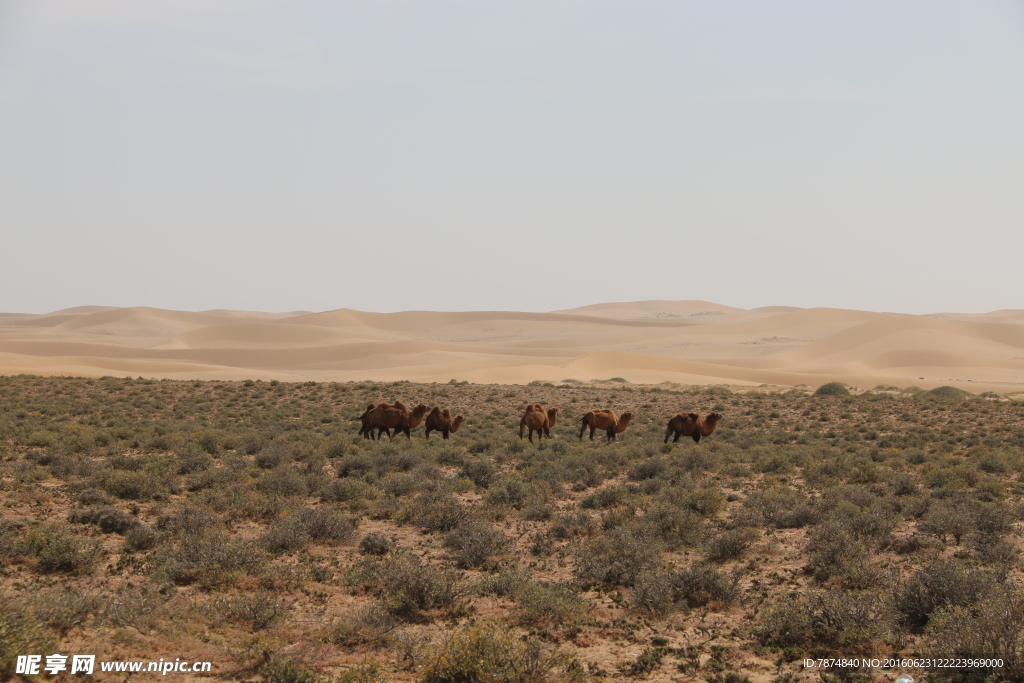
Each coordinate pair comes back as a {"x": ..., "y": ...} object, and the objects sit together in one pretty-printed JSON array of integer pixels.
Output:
[{"x": 247, "y": 521}]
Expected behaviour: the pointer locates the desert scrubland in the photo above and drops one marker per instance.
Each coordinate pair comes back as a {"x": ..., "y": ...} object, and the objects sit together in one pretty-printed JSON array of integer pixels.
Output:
[
  {"x": 247, "y": 524},
  {"x": 688, "y": 342}
]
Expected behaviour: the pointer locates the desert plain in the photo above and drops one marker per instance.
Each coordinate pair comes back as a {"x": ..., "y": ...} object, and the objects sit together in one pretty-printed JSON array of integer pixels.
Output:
[
  {"x": 649, "y": 342},
  {"x": 193, "y": 486}
]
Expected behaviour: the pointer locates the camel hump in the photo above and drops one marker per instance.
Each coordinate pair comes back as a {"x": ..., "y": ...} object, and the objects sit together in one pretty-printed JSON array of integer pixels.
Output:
[
  {"x": 693, "y": 416},
  {"x": 447, "y": 413}
]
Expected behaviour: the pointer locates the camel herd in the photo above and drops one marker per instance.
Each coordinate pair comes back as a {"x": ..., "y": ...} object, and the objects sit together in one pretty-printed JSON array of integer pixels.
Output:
[{"x": 396, "y": 418}]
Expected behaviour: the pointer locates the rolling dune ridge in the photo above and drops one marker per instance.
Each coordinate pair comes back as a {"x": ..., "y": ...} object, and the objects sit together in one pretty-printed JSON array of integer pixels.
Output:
[{"x": 686, "y": 342}]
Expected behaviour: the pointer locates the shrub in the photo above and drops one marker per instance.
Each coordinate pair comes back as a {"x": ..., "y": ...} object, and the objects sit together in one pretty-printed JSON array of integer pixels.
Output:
[
  {"x": 256, "y": 611},
  {"x": 406, "y": 586},
  {"x": 616, "y": 557},
  {"x": 21, "y": 632},
  {"x": 731, "y": 544},
  {"x": 487, "y": 653},
  {"x": 141, "y": 537},
  {"x": 132, "y": 485},
  {"x": 208, "y": 558},
  {"x": 832, "y": 389},
  {"x": 283, "y": 481},
  {"x": 436, "y": 511},
  {"x": 835, "y": 552},
  {"x": 833, "y": 622},
  {"x": 673, "y": 526},
  {"x": 991, "y": 628},
  {"x": 943, "y": 582},
  {"x": 480, "y": 471},
  {"x": 376, "y": 544},
  {"x": 57, "y": 550},
  {"x": 108, "y": 519},
  {"x": 473, "y": 542},
  {"x": 371, "y": 625},
  {"x": 571, "y": 525},
  {"x": 608, "y": 497},
  {"x": 945, "y": 519},
  {"x": 694, "y": 586},
  {"x": 700, "y": 584},
  {"x": 548, "y": 605},
  {"x": 281, "y": 669},
  {"x": 309, "y": 524}
]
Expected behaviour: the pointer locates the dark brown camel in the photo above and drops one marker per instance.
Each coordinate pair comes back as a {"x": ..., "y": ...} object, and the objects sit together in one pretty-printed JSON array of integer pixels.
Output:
[
  {"x": 442, "y": 421},
  {"x": 397, "y": 417}
]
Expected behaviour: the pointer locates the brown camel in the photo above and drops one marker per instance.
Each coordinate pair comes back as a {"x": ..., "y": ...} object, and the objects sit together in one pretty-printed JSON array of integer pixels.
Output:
[
  {"x": 692, "y": 425},
  {"x": 442, "y": 421},
  {"x": 537, "y": 420},
  {"x": 366, "y": 420},
  {"x": 398, "y": 417},
  {"x": 602, "y": 418}
]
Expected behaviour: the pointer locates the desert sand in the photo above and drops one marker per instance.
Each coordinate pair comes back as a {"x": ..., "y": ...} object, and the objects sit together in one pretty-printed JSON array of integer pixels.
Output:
[{"x": 651, "y": 342}]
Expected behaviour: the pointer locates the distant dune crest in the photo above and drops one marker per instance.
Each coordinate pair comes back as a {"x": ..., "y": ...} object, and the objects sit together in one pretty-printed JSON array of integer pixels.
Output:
[{"x": 686, "y": 342}]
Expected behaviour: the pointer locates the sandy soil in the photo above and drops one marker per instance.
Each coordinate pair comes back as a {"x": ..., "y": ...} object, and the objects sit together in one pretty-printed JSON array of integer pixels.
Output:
[{"x": 689, "y": 342}]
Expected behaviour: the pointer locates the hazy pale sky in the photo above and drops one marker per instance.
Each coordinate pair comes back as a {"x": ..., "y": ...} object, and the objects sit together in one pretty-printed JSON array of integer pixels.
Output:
[{"x": 388, "y": 155}]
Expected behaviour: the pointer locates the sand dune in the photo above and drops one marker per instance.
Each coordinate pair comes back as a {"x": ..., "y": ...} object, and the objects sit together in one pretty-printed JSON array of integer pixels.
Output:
[{"x": 686, "y": 342}]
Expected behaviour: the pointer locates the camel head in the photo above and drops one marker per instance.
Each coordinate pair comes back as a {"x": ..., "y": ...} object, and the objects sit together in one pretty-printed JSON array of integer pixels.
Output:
[
  {"x": 625, "y": 418},
  {"x": 713, "y": 418},
  {"x": 456, "y": 423},
  {"x": 552, "y": 414},
  {"x": 419, "y": 410}
]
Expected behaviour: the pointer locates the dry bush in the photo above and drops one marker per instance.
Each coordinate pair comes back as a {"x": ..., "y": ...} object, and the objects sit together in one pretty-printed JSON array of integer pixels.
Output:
[
  {"x": 487, "y": 653},
  {"x": 944, "y": 582},
  {"x": 473, "y": 542},
  {"x": 21, "y": 632},
  {"x": 376, "y": 544},
  {"x": 548, "y": 606},
  {"x": 435, "y": 511},
  {"x": 208, "y": 558},
  {"x": 255, "y": 611},
  {"x": 372, "y": 625},
  {"x": 407, "y": 587},
  {"x": 731, "y": 544},
  {"x": 616, "y": 557},
  {"x": 832, "y": 623},
  {"x": 107, "y": 518},
  {"x": 991, "y": 628},
  {"x": 307, "y": 525},
  {"x": 573, "y": 524},
  {"x": 55, "y": 549},
  {"x": 694, "y": 586}
]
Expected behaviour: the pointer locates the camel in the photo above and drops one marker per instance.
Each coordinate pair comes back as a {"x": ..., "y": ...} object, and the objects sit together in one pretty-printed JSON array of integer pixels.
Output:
[
  {"x": 537, "y": 420},
  {"x": 692, "y": 425},
  {"x": 398, "y": 417},
  {"x": 366, "y": 430},
  {"x": 602, "y": 418},
  {"x": 442, "y": 421}
]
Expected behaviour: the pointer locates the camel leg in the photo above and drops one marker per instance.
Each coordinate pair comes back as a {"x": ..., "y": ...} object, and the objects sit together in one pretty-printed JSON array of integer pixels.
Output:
[
  {"x": 592, "y": 430},
  {"x": 521, "y": 429},
  {"x": 611, "y": 435},
  {"x": 583, "y": 428},
  {"x": 676, "y": 439},
  {"x": 531, "y": 434},
  {"x": 445, "y": 434},
  {"x": 667, "y": 432},
  {"x": 696, "y": 437}
]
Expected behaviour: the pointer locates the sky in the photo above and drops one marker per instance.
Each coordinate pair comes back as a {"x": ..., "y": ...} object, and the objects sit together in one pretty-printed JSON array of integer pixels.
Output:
[{"x": 395, "y": 155}]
